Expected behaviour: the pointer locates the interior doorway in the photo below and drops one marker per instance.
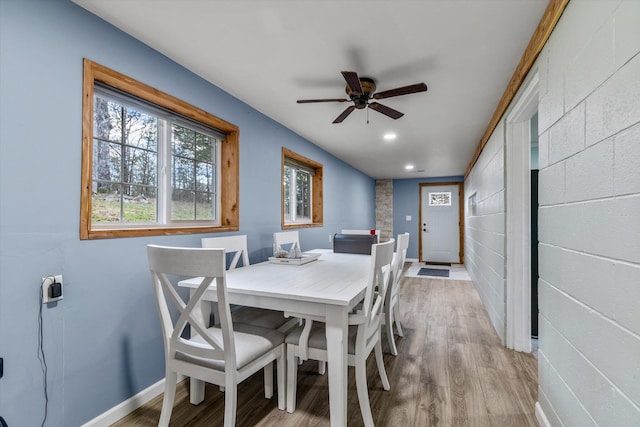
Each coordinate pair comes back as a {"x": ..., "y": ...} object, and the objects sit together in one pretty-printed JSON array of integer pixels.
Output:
[
  {"x": 518, "y": 240},
  {"x": 534, "y": 226}
]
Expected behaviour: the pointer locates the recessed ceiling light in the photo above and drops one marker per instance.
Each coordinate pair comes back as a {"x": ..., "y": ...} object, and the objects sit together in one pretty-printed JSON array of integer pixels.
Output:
[
  {"x": 408, "y": 167},
  {"x": 389, "y": 136}
]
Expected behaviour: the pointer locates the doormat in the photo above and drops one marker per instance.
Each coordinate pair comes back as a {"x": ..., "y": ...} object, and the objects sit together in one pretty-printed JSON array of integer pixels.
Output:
[{"x": 439, "y": 272}]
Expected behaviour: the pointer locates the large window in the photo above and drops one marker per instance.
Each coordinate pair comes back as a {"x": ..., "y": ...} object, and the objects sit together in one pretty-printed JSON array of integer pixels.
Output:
[
  {"x": 153, "y": 164},
  {"x": 301, "y": 191}
]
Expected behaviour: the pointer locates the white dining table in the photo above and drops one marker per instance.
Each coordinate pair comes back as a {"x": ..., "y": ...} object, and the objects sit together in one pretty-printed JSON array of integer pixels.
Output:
[{"x": 328, "y": 288}]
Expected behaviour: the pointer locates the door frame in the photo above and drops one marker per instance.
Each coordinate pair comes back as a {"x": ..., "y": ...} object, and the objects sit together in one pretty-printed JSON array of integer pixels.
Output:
[
  {"x": 518, "y": 218},
  {"x": 460, "y": 215}
]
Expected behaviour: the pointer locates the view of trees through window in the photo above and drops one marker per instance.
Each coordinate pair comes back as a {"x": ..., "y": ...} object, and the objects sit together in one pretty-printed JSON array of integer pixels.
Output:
[
  {"x": 128, "y": 146},
  {"x": 299, "y": 181}
]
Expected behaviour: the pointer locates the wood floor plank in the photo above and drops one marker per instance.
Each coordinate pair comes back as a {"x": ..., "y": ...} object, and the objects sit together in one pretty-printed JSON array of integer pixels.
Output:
[{"x": 451, "y": 371}]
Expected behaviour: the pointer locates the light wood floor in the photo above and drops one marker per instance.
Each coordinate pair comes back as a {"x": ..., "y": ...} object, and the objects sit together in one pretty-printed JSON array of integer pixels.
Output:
[{"x": 451, "y": 371}]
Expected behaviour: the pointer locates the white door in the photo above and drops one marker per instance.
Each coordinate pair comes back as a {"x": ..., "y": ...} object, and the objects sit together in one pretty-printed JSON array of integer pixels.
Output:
[{"x": 440, "y": 223}]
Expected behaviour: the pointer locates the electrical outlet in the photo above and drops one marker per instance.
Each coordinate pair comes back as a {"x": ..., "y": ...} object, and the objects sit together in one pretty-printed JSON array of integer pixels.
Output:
[
  {"x": 330, "y": 238},
  {"x": 49, "y": 290}
]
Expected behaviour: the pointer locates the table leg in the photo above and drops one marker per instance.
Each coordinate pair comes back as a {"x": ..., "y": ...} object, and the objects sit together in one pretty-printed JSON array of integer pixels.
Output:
[{"x": 337, "y": 334}]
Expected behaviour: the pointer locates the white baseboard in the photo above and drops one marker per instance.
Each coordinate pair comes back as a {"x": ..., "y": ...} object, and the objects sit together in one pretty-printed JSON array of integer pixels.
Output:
[
  {"x": 411, "y": 260},
  {"x": 541, "y": 417},
  {"x": 125, "y": 408}
]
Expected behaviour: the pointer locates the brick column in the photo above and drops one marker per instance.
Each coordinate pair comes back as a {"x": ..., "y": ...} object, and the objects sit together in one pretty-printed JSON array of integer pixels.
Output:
[{"x": 384, "y": 208}]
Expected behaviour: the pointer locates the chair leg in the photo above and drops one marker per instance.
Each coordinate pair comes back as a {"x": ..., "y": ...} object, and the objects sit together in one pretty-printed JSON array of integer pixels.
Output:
[
  {"x": 363, "y": 392},
  {"x": 388, "y": 326},
  {"x": 268, "y": 381},
  {"x": 380, "y": 363},
  {"x": 230, "y": 401},
  {"x": 396, "y": 317},
  {"x": 281, "y": 370},
  {"x": 292, "y": 378},
  {"x": 167, "y": 401}
]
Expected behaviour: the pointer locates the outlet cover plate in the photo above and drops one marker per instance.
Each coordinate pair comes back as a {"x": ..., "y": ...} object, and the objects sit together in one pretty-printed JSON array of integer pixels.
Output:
[{"x": 46, "y": 282}]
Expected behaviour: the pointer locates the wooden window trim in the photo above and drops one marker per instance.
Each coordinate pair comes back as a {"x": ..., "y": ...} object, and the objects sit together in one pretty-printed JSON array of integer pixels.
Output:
[
  {"x": 316, "y": 191},
  {"x": 229, "y": 158}
]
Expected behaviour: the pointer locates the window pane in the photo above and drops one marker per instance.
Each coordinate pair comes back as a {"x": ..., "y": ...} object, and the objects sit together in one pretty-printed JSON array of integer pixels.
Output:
[
  {"x": 287, "y": 193},
  {"x": 182, "y": 141},
  {"x": 193, "y": 169},
  {"x": 139, "y": 204},
  {"x": 107, "y": 120},
  {"x": 204, "y": 148},
  {"x": 141, "y": 130},
  {"x": 106, "y": 161},
  {"x": 204, "y": 206},
  {"x": 303, "y": 195},
  {"x": 182, "y": 174},
  {"x": 182, "y": 205},
  {"x": 204, "y": 177},
  {"x": 440, "y": 199},
  {"x": 105, "y": 204},
  {"x": 139, "y": 166}
]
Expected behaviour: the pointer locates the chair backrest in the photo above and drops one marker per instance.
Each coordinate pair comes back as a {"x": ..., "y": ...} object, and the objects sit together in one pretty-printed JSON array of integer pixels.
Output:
[
  {"x": 166, "y": 265},
  {"x": 379, "y": 274},
  {"x": 285, "y": 239},
  {"x": 234, "y": 245},
  {"x": 401, "y": 251},
  {"x": 398, "y": 264}
]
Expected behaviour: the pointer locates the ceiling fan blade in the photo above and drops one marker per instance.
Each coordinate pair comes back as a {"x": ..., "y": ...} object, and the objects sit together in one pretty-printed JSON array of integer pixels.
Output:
[
  {"x": 394, "y": 114},
  {"x": 405, "y": 90},
  {"x": 353, "y": 81},
  {"x": 307, "y": 101},
  {"x": 344, "y": 114}
]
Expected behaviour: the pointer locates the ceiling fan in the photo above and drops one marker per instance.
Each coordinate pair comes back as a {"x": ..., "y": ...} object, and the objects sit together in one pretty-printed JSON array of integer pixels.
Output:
[{"x": 361, "y": 90}]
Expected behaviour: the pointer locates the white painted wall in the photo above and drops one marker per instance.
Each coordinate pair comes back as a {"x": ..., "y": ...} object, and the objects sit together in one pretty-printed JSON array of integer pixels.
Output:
[
  {"x": 484, "y": 244},
  {"x": 589, "y": 218},
  {"x": 589, "y": 124}
]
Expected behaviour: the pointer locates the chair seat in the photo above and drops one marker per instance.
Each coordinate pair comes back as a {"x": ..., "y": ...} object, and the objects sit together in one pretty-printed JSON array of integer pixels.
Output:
[
  {"x": 251, "y": 342},
  {"x": 261, "y": 317},
  {"x": 318, "y": 337}
]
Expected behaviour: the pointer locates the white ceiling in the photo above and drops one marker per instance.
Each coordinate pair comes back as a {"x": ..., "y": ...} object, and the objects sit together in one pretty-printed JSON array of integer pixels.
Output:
[{"x": 270, "y": 53}]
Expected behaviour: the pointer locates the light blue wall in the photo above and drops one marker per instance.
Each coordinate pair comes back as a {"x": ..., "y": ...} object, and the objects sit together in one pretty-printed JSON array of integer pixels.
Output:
[
  {"x": 102, "y": 341},
  {"x": 406, "y": 201}
]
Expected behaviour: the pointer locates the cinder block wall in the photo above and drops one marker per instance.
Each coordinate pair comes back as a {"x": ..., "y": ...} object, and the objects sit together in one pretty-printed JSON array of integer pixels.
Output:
[
  {"x": 589, "y": 216},
  {"x": 484, "y": 238},
  {"x": 384, "y": 208}
]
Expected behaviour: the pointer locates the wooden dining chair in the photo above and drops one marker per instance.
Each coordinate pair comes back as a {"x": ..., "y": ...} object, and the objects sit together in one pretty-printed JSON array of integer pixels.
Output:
[
  {"x": 265, "y": 318},
  {"x": 309, "y": 342},
  {"x": 224, "y": 355},
  {"x": 391, "y": 303}
]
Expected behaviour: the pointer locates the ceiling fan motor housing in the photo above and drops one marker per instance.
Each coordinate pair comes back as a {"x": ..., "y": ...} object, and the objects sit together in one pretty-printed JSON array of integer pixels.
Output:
[{"x": 361, "y": 99}]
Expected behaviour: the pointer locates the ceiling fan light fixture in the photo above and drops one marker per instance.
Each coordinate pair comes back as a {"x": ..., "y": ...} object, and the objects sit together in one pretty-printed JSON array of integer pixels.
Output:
[{"x": 362, "y": 90}]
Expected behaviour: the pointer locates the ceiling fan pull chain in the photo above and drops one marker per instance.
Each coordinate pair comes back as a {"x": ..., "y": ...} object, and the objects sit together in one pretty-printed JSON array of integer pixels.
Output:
[{"x": 367, "y": 115}]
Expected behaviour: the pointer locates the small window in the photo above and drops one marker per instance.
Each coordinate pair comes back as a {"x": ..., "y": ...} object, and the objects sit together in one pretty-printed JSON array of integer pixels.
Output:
[
  {"x": 152, "y": 164},
  {"x": 301, "y": 191},
  {"x": 440, "y": 199},
  {"x": 472, "y": 205}
]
